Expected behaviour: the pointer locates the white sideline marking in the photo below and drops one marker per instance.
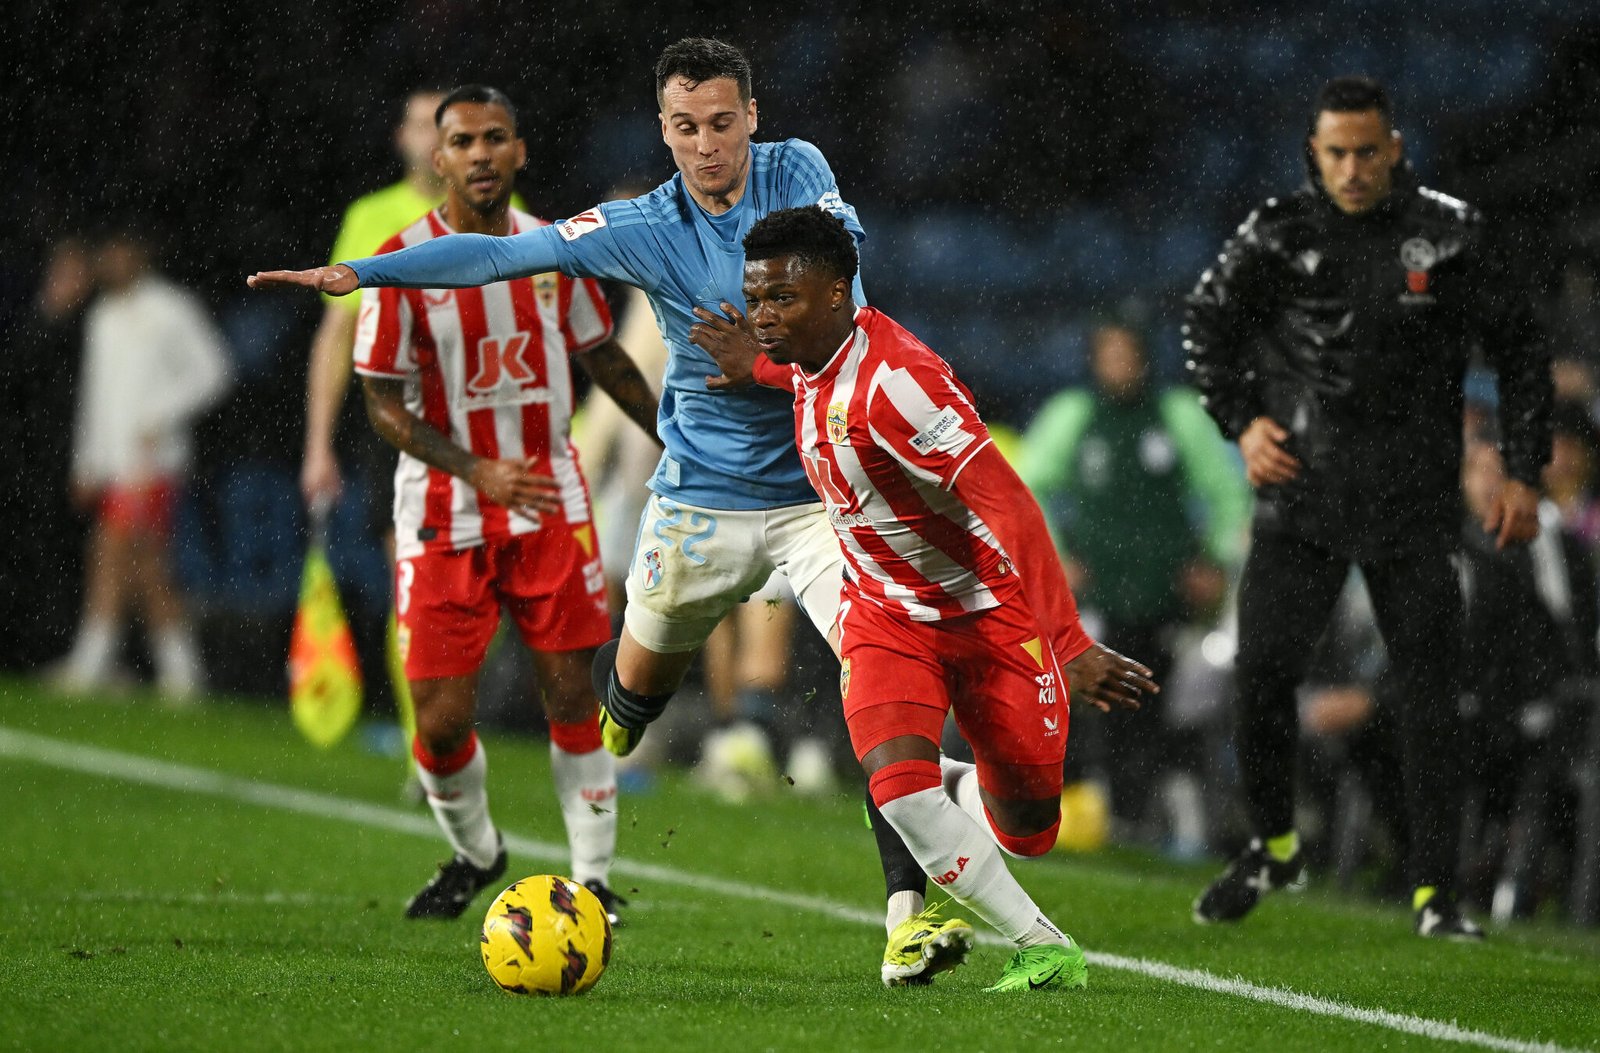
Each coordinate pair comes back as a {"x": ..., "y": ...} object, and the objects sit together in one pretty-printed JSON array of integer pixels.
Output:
[
  {"x": 92, "y": 760},
  {"x": 223, "y": 898}
]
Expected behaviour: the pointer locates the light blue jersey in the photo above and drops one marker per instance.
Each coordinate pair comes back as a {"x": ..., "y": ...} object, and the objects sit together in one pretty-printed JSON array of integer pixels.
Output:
[{"x": 729, "y": 449}]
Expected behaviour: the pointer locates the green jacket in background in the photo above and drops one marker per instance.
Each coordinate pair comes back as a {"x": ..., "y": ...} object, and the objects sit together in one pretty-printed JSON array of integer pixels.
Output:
[{"x": 1134, "y": 490}]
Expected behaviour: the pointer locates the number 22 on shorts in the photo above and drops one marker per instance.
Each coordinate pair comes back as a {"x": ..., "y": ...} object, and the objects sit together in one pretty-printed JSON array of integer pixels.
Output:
[{"x": 703, "y": 524}]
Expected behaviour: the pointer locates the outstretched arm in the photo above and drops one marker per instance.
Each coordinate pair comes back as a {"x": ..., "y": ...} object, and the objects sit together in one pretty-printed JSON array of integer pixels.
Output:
[
  {"x": 337, "y": 280},
  {"x": 989, "y": 486},
  {"x": 455, "y": 261},
  {"x": 507, "y": 483}
]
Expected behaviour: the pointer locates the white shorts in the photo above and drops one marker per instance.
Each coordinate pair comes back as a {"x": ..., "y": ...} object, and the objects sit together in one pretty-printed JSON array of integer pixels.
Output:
[{"x": 691, "y": 566}]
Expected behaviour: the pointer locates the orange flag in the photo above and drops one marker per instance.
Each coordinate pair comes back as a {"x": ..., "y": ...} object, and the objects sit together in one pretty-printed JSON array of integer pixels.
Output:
[{"x": 324, "y": 673}]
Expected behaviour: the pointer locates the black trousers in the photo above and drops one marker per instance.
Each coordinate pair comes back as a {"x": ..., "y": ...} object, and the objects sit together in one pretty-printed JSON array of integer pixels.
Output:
[{"x": 1286, "y": 598}]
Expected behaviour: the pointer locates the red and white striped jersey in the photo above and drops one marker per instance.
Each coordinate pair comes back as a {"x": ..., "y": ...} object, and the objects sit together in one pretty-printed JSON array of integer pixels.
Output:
[
  {"x": 488, "y": 367},
  {"x": 884, "y": 429}
]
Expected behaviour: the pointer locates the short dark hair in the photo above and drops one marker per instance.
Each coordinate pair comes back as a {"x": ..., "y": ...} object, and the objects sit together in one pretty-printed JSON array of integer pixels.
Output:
[
  {"x": 812, "y": 235},
  {"x": 699, "y": 59},
  {"x": 1352, "y": 94},
  {"x": 479, "y": 93}
]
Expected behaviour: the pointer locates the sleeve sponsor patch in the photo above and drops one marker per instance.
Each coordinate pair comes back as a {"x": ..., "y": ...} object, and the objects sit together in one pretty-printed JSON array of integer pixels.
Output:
[
  {"x": 581, "y": 224},
  {"x": 944, "y": 433},
  {"x": 832, "y": 202}
]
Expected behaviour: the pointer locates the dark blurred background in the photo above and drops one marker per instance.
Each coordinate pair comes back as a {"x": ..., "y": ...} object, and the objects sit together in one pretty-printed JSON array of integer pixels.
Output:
[{"x": 1022, "y": 171}]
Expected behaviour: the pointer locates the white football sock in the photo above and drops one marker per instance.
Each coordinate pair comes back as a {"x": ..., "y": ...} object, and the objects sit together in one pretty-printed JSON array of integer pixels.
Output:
[
  {"x": 460, "y": 801},
  {"x": 586, "y": 786},
  {"x": 902, "y": 905},
  {"x": 93, "y": 652},
  {"x": 964, "y": 860},
  {"x": 951, "y": 773},
  {"x": 177, "y": 660}
]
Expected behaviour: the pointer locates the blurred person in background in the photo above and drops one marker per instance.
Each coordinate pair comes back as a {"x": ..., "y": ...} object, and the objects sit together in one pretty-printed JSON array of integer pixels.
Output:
[
  {"x": 750, "y": 668},
  {"x": 1530, "y": 669},
  {"x": 153, "y": 360},
  {"x": 1330, "y": 340},
  {"x": 1569, "y": 478},
  {"x": 1149, "y": 509}
]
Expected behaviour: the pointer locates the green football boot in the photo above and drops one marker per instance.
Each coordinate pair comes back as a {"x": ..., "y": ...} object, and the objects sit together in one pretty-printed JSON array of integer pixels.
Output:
[{"x": 1044, "y": 965}]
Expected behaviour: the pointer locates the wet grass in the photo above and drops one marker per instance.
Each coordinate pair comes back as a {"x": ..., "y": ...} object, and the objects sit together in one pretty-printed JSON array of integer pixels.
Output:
[{"x": 186, "y": 915}]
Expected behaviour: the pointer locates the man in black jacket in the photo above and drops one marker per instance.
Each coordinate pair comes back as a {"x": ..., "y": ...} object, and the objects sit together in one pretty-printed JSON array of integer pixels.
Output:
[{"x": 1330, "y": 341}]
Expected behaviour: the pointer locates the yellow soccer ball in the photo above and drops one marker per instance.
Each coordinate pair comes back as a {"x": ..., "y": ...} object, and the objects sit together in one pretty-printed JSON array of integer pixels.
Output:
[{"x": 546, "y": 935}]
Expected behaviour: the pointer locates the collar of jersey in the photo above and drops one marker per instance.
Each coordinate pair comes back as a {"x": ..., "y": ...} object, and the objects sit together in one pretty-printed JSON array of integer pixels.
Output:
[
  {"x": 719, "y": 223},
  {"x": 833, "y": 365},
  {"x": 438, "y": 214}
]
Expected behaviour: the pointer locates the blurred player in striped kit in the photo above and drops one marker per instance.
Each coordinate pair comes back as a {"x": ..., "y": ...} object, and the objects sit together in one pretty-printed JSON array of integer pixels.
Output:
[{"x": 475, "y": 390}]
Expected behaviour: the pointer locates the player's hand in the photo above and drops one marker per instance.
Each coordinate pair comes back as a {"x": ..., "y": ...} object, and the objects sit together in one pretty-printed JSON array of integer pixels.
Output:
[
  {"x": 337, "y": 280},
  {"x": 1266, "y": 462},
  {"x": 730, "y": 341},
  {"x": 1514, "y": 516},
  {"x": 512, "y": 484},
  {"x": 1105, "y": 678},
  {"x": 320, "y": 480}
]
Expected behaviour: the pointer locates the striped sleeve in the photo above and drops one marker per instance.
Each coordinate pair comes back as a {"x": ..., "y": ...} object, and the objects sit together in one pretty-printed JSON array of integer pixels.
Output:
[
  {"x": 586, "y": 322},
  {"x": 383, "y": 345},
  {"x": 925, "y": 419}
]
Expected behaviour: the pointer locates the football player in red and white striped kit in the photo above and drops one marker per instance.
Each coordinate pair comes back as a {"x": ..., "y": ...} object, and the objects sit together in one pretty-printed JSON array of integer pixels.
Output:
[
  {"x": 954, "y": 597},
  {"x": 473, "y": 386}
]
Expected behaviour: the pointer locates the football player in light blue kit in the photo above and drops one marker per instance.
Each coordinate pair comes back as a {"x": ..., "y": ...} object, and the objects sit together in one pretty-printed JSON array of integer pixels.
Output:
[{"x": 730, "y": 501}]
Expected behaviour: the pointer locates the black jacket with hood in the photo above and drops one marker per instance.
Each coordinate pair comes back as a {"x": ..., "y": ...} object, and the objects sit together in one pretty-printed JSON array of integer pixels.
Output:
[{"x": 1353, "y": 333}]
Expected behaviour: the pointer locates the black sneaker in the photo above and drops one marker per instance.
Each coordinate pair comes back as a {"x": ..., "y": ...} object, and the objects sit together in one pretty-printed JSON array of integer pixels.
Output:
[
  {"x": 1252, "y": 872},
  {"x": 1440, "y": 918},
  {"x": 454, "y": 886},
  {"x": 608, "y": 899}
]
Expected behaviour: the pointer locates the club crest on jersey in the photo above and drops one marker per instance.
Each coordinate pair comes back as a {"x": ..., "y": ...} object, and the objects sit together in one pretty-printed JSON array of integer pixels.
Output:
[
  {"x": 838, "y": 425},
  {"x": 1417, "y": 256},
  {"x": 651, "y": 569},
  {"x": 581, "y": 224},
  {"x": 844, "y": 679},
  {"x": 546, "y": 287}
]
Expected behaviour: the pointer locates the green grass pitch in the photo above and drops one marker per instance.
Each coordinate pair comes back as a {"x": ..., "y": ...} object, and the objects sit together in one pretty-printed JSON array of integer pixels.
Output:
[{"x": 204, "y": 880}]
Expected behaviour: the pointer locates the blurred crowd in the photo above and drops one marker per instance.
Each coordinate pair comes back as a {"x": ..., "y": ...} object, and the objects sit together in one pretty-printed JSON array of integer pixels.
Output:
[{"x": 1036, "y": 205}]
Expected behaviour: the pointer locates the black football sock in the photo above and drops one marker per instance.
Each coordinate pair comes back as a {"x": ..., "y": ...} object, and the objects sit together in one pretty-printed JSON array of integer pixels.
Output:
[
  {"x": 628, "y": 708},
  {"x": 901, "y": 871}
]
